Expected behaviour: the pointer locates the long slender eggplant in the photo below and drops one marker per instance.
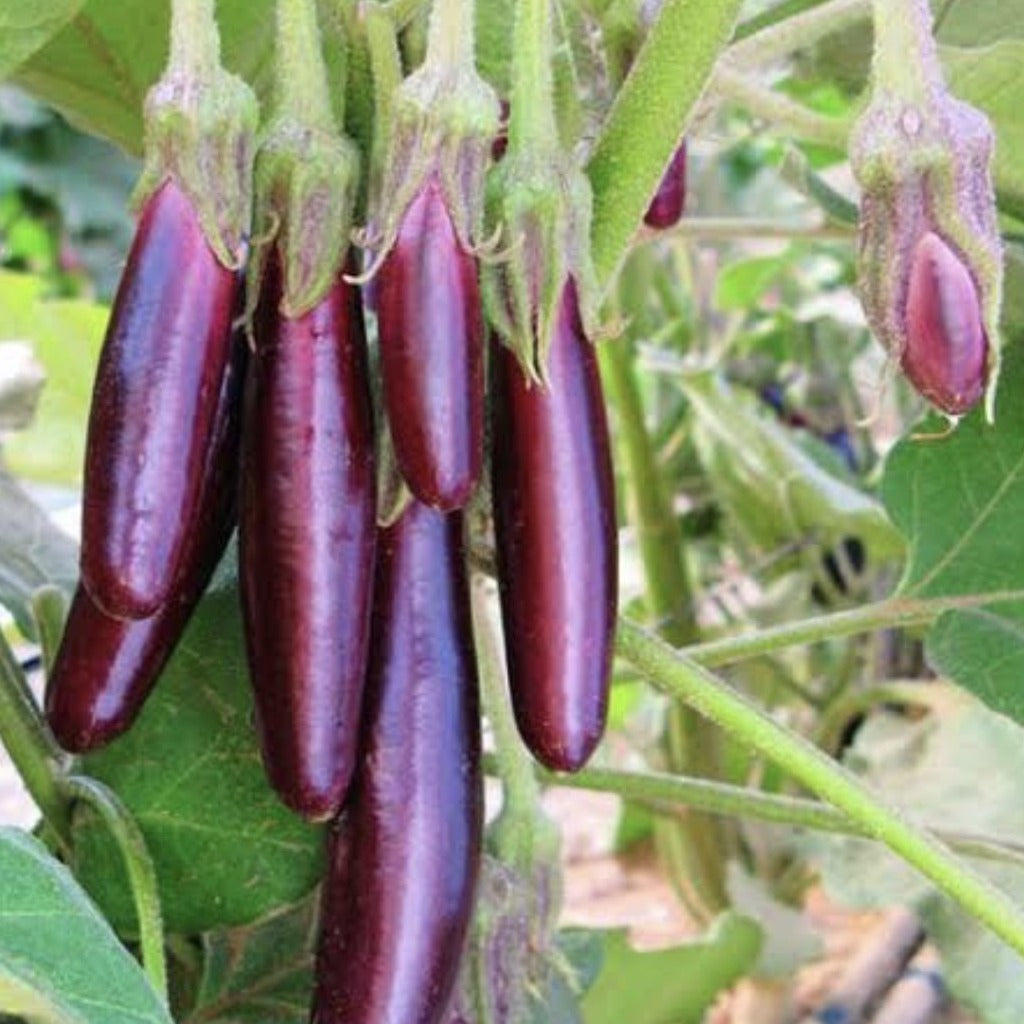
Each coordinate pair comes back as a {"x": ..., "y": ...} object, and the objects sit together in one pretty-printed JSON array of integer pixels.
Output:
[
  {"x": 105, "y": 666},
  {"x": 307, "y": 533},
  {"x": 399, "y": 893},
  {"x": 153, "y": 409},
  {"x": 554, "y": 509},
  {"x": 431, "y": 350}
]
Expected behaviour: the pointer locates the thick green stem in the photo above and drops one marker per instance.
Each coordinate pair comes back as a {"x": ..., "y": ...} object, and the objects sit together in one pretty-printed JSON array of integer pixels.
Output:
[
  {"x": 782, "y": 113},
  {"x": 300, "y": 88},
  {"x": 685, "y": 680},
  {"x": 195, "y": 41},
  {"x": 797, "y": 32},
  {"x": 894, "y": 613},
  {"x": 906, "y": 60},
  {"x": 450, "y": 35},
  {"x": 532, "y": 124},
  {"x": 669, "y": 601},
  {"x": 660, "y": 790},
  {"x": 29, "y": 744},
  {"x": 139, "y": 867},
  {"x": 649, "y": 117},
  {"x": 521, "y": 792}
]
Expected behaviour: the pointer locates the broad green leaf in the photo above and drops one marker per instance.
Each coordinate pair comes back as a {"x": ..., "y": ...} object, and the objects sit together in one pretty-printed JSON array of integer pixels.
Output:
[
  {"x": 671, "y": 986},
  {"x": 960, "y": 503},
  {"x": 33, "y": 552},
  {"x": 226, "y": 850},
  {"x": 65, "y": 336},
  {"x": 25, "y": 25},
  {"x": 774, "y": 491},
  {"x": 960, "y": 765},
  {"x": 60, "y": 963},
  {"x": 993, "y": 80},
  {"x": 261, "y": 974},
  {"x": 98, "y": 69}
]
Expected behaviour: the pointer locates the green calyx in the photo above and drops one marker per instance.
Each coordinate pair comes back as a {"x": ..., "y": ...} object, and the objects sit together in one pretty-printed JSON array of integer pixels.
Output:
[
  {"x": 306, "y": 183},
  {"x": 201, "y": 131},
  {"x": 923, "y": 160},
  {"x": 444, "y": 123},
  {"x": 544, "y": 206}
]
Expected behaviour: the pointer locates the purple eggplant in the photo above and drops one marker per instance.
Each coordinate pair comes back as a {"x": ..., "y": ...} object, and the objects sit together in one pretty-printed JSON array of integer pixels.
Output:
[
  {"x": 154, "y": 408},
  {"x": 666, "y": 208},
  {"x": 554, "y": 511},
  {"x": 399, "y": 893},
  {"x": 307, "y": 534},
  {"x": 431, "y": 351}
]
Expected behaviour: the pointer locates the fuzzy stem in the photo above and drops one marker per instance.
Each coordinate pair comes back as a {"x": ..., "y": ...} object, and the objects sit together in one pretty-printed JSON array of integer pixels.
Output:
[
  {"x": 386, "y": 65},
  {"x": 195, "y": 41},
  {"x": 720, "y": 798},
  {"x": 141, "y": 873},
  {"x": 798, "y": 32},
  {"x": 450, "y": 38},
  {"x": 779, "y": 111},
  {"x": 300, "y": 89},
  {"x": 906, "y": 60},
  {"x": 649, "y": 117},
  {"x": 669, "y": 602},
  {"x": 29, "y": 744},
  {"x": 532, "y": 124},
  {"x": 683, "y": 679}
]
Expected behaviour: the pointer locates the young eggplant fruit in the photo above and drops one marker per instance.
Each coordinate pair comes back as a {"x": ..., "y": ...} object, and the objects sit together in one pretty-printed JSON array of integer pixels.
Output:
[
  {"x": 554, "y": 511},
  {"x": 431, "y": 351},
  {"x": 946, "y": 352},
  {"x": 666, "y": 208},
  {"x": 106, "y": 667},
  {"x": 154, "y": 408},
  {"x": 399, "y": 893},
  {"x": 307, "y": 535}
]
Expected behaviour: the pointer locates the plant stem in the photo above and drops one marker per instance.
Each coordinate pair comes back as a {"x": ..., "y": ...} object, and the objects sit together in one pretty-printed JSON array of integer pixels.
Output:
[
  {"x": 195, "y": 41},
  {"x": 669, "y": 602},
  {"x": 797, "y": 32},
  {"x": 49, "y": 609},
  {"x": 778, "y": 110},
  {"x": 29, "y": 744},
  {"x": 386, "y": 64},
  {"x": 831, "y": 724},
  {"x": 532, "y": 126},
  {"x": 906, "y": 60},
  {"x": 139, "y": 866},
  {"x": 892, "y": 613},
  {"x": 650, "y": 115},
  {"x": 300, "y": 86},
  {"x": 660, "y": 789},
  {"x": 401, "y": 12},
  {"x": 450, "y": 34},
  {"x": 686, "y": 680},
  {"x": 515, "y": 767},
  {"x": 727, "y": 228}
]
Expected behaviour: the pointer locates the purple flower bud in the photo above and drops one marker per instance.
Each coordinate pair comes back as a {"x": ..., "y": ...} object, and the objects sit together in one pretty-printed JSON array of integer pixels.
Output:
[
  {"x": 946, "y": 349},
  {"x": 669, "y": 201}
]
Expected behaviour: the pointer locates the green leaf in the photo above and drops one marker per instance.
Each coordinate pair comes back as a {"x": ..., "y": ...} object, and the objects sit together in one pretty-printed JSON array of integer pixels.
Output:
[
  {"x": 671, "y": 986},
  {"x": 25, "y": 25},
  {"x": 226, "y": 851},
  {"x": 980, "y": 22},
  {"x": 98, "y": 70},
  {"x": 33, "y": 552},
  {"x": 66, "y": 336},
  {"x": 992, "y": 79},
  {"x": 262, "y": 974},
  {"x": 960, "y": 503},
  {"x": 960, "y": 765},
  {"x": 742, "y": 283},
  {"x": 59, "y": 960}
]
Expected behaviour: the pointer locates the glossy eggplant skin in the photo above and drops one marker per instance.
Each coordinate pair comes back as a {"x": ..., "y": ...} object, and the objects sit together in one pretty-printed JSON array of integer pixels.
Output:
[
  {"x": 431, "y": 348},
  {"x": 153, "y": 409},
  {"x": 106, "y": 667},
  {"x": 399, "y": 893},
  {"x": 669, "y": 201},
  {"x": 307, "y": 532},
  {"x": 554, "y": 512}
]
